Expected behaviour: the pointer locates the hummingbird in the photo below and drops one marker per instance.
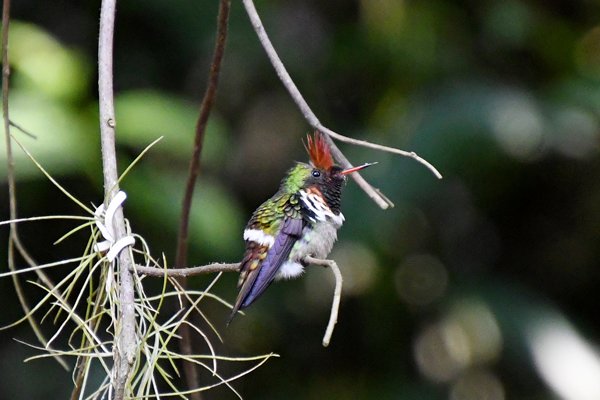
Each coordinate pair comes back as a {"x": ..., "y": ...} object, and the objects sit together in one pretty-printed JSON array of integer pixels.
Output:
[{"x": 300, "y": 220}]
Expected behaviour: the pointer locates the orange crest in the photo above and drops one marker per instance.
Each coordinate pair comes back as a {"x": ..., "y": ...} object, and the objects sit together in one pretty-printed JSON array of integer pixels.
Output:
[{"x": 319, "y": 152}]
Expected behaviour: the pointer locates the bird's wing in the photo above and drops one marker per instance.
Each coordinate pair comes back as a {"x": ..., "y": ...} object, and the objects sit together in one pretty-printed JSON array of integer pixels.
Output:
[{"x": 261, "y": 262}]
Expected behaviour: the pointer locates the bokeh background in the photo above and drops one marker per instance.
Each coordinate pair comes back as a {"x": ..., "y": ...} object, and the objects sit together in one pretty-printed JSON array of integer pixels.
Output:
[{"x": 483, "y": 285}]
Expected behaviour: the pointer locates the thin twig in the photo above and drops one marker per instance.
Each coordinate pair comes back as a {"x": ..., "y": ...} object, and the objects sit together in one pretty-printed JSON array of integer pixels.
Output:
[
  {"x": 194, "y": 170},
  {"x": 23, "y": 130},
  {"x": 312, "y": 119},
  {"x": 337, "y": 295},
  {"x": 125, "y": 341},
  {"x": 376, "y": 146},
  {"x": 185, "y": 272}
]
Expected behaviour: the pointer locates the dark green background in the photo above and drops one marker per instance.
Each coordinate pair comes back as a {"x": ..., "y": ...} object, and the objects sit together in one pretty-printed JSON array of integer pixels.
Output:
[{"x": 447, "y": 293}]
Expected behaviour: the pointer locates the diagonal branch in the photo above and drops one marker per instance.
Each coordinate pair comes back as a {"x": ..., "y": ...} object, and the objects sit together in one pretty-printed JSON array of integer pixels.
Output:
[
  {"x": 125, "y": 341},
  {"x": 312, "y": 119},
  {"x": 20, "y": 128}
]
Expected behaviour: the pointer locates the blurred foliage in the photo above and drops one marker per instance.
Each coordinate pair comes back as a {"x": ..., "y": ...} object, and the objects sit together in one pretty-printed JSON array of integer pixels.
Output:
[{"x": 463, "y": 291}]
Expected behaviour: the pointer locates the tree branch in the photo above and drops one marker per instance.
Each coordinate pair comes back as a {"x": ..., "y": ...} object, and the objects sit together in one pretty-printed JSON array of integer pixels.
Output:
[
  {"x": 312, "y": 119},
  {"x": 5, "y": 113},
  {"x": 185, "y": 272},
  {"x": 194, "y": 170},
  {"x": 125, "y": 341}
]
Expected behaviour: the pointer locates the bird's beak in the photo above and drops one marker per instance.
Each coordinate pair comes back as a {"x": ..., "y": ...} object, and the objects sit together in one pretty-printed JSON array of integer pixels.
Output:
[{"x": 354, "y": 169}]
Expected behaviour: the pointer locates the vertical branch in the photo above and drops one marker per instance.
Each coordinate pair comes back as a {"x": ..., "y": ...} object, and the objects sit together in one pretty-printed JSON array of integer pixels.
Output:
[
  {"x": 10, "y": 168},
  {"x": 194, "y": 170},
  {"x": 205, "y": 109},
  {"x": 125, "y": 341},
  {"x": 5, "y": 115},
  {"x": 12, "y": 193}
]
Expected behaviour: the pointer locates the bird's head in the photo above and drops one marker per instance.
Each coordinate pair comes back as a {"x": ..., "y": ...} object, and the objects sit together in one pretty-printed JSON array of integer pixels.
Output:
[{"x": 321, "y": 173}]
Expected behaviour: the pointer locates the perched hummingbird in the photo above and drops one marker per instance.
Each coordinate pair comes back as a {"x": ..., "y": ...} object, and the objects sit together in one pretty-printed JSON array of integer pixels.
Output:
[{"x": 300, "y": 220}]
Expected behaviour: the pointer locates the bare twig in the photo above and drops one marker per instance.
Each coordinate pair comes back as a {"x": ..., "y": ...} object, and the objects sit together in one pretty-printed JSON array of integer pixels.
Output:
[
  {"x": 312, "y": 119},
  {"x": 185, "y": 272},
  {"x": 194, "y": 170},
  {"x": 23, "y": 130},
  {"x": 376, "y": 146},
  {"x": 125, "y": 342},
  {"x": 337, "y": 295}
]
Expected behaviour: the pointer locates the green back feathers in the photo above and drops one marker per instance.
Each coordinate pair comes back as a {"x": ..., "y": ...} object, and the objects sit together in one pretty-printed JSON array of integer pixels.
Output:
[
  {"x": 295, "y": 178},
  {"x": 285, "y": 202}
]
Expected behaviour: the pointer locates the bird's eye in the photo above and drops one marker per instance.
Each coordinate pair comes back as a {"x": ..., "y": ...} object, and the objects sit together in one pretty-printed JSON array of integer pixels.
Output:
[{"x": 316, "y": 173}]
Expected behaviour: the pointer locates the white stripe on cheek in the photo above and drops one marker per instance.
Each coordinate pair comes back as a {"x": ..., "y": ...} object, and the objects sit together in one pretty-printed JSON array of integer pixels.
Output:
[
  {"x": 258, "y": 236},
  {"x": 314, "y": 204},
  {"x": 321, "y": 210}
]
